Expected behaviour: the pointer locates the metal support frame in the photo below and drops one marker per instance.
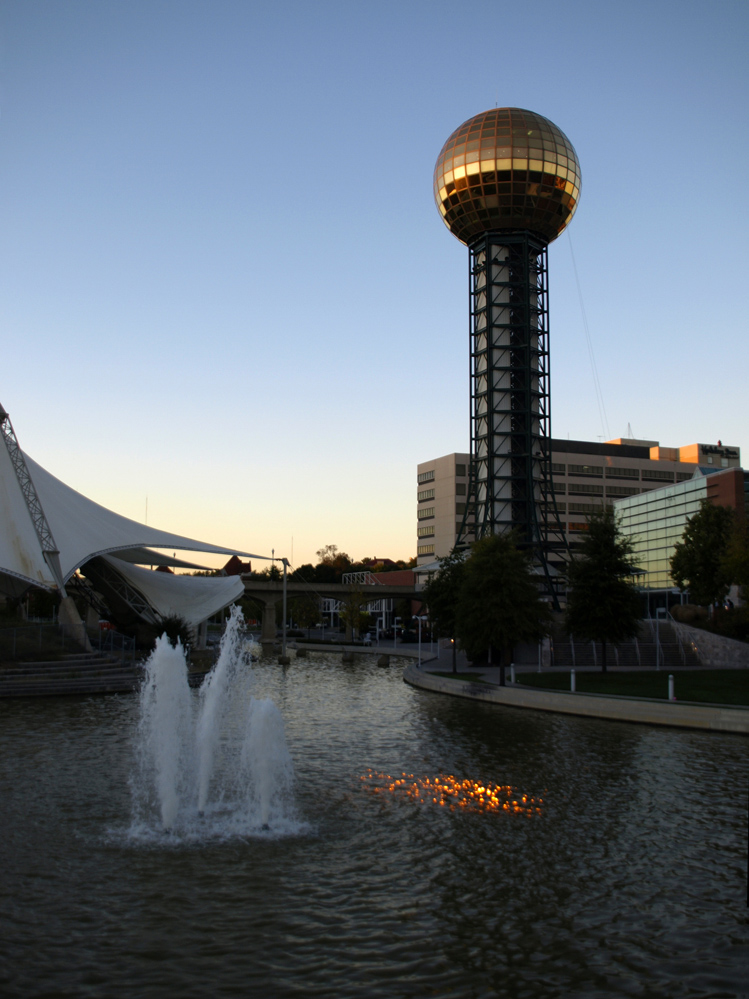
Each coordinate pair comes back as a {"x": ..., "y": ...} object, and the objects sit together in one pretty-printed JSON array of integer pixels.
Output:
[
  {"x": 105, "y": 577},
  {"x": 510, "y": 485},
  {"x": 50, "y": 551},
  {"x": 82, "y": 586}
]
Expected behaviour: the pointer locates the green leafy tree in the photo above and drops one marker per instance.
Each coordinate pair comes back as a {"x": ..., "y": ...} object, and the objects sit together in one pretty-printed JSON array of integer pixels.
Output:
[
  {"x": 699, "y": 559},
  {"x": 441, "y": 595},
  {"x": 499, "y": 602},
  {"x": 736, "y": 559},
  {"x": 603, "y": 604},
  {"x": 305, "y": 610},
  {"x": 353, "y": 613},
  {"x": 331, "y": 564}
]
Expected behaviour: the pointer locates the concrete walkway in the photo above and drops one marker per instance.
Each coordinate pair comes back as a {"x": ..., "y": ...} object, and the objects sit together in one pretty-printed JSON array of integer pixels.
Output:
[{"x": 645, "y": 710}]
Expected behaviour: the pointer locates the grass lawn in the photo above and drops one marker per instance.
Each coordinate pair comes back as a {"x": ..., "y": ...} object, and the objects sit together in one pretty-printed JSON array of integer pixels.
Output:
[{"x": 713, "y": 686}]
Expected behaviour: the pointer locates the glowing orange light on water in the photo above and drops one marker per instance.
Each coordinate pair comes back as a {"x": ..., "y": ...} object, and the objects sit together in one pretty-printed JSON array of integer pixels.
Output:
[{"x": 448, "y": 791}]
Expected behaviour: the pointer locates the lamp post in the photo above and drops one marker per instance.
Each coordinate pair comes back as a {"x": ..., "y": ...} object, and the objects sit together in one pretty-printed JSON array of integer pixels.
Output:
[
  {"x": 420, "y": 619},
  {"x": 395, "y": 631}
]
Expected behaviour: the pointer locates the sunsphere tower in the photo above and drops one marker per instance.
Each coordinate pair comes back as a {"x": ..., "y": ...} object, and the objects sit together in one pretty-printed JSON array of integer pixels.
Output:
[{"x": 507, "y": 183}]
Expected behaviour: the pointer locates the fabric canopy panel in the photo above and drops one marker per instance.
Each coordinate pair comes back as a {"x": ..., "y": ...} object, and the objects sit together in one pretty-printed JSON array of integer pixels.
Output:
[
  {"x": 83, "y": 529},
  {"x": 144, "y": 556},
  {"x": 193, "y": 598}
]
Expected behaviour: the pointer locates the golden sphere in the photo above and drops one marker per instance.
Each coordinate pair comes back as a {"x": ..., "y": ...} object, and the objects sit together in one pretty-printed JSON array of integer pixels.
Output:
[{"x": 507, "y": 169}]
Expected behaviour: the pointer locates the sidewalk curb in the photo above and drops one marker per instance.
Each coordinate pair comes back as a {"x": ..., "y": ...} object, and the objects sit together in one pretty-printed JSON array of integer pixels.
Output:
[{"x": 707, "y": 717}]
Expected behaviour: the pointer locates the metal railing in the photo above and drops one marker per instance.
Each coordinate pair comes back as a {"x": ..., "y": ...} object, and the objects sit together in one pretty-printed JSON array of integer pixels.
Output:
[{"x": 28, "y": 641}]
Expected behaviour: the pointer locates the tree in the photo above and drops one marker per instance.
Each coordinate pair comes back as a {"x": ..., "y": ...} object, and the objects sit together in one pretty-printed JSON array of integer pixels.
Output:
[
  {"x": 353, "y": 613},
  {"x": 603, "y": 604},
  {"x": 736, "y": 559},
  {"x": 305, "y": 610},
  {"x": 499, "y": 602},
  {"x": 699, "y": 559},
  {"x": 441, "y": 595}
]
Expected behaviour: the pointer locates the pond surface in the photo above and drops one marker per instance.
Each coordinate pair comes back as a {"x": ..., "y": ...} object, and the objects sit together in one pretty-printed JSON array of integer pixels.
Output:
[{"x": 622, "y": 873}]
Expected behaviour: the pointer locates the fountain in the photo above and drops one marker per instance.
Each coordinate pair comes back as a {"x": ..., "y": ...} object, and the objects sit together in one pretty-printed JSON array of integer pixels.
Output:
[{"x": 214, "y": 764}]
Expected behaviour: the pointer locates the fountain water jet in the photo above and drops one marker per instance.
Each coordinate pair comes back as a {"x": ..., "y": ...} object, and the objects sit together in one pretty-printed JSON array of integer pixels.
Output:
[
  {"x": 223, "y": 769},
  {"x": 165, "y": 726}
]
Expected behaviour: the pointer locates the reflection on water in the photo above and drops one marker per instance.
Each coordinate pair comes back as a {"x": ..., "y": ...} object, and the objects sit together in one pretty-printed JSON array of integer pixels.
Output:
[
  {"x": 630, "y": 880},
  {"x": 446, "y": 790}
]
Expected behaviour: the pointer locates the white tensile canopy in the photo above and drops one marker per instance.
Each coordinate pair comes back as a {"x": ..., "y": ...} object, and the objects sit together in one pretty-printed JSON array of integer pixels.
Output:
[
  {"x": 83, "y": 529},
  {"x": 193, "y": 598}
]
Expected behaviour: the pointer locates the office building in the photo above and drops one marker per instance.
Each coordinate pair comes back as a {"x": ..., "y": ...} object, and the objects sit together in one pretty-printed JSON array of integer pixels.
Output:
[{"x": 585, "y": 475}]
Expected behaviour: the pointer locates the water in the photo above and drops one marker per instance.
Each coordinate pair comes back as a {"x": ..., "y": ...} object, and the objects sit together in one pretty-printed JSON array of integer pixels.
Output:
[
  {"x": 629, "y": 881},
  {"x": 218, "y": 767}
]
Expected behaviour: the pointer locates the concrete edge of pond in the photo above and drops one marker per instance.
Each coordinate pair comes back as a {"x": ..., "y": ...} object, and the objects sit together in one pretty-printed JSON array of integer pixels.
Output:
[
  {"x": 362, "y": 650},
  {"x": 710, "y": 717}
]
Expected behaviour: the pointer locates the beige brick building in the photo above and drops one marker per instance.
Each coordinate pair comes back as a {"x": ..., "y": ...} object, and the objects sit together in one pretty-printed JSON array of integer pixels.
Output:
[{"x": 586, "y": 475}]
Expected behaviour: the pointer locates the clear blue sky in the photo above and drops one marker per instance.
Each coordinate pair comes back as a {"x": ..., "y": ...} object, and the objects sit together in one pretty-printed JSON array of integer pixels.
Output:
[{"x": 225, "y": 286}]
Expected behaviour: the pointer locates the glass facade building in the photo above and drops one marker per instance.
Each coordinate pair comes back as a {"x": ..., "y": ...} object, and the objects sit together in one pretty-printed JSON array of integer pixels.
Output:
[{"x": 654, "y": 522}]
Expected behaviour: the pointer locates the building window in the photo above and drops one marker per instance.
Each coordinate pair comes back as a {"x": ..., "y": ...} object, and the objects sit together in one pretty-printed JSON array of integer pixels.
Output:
[
  {"x": 425, "y": 513},
  {"x": 460, "y": 508},
  {"x": 424, "y": 549},
  {"x": 426, "y": 494},
  {"x": 655, "y": 476},
  {"x": 683, "y": 476},
  {"x": 426, "y": 476},
  {"x": 557, "y": 468},
  {"x": 621, "y": 490},
  {"x": 585, "y": 507},
  {"x": 425, "y": 532},
  {"x": 460, "y": 471},
  {"x": 460, "y": 488},
  {"x": 577, "y": 527},
  {"x": 622, "y": 473},
  {"x": 584, "y": 489},
  {"x": 596, "y": 470}
]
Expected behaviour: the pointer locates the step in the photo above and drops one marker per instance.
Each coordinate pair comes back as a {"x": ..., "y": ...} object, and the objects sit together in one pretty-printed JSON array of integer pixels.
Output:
[
  {"x": 125, "y": 685},
  {"x": 95, "y": 669}
]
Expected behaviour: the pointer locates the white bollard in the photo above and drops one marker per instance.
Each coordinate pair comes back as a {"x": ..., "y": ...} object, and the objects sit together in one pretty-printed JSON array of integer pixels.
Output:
[
  {"x": 512, "y": 672},
  {"x": 671, "y": 695},
  {"x": 572, "y": 681}
]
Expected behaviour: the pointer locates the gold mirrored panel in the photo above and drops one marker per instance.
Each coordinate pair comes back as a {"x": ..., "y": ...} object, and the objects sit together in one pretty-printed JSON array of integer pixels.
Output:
[{"x": 507, "y": 169}]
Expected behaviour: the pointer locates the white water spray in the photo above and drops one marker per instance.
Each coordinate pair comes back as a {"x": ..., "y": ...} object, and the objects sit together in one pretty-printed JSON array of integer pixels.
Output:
[
  {"x": 214, "y": 703},
  {"x": 166, "y": 724},
  {"x": 221, "y": 770}
]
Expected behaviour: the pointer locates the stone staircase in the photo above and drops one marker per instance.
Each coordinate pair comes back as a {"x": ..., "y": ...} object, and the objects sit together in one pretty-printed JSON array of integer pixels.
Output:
[
  {"x": 639, "y": 654},
  {"x": 79, "y": 673}
]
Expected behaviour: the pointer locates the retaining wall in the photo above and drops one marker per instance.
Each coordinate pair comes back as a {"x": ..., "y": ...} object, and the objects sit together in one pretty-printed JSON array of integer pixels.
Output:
[
  {"x": 711, "y": 717},
  {"x": 713, "y": 650}
]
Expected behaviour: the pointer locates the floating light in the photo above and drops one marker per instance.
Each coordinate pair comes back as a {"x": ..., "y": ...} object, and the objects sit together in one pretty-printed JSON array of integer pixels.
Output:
[{"x": 449, "y": 792}]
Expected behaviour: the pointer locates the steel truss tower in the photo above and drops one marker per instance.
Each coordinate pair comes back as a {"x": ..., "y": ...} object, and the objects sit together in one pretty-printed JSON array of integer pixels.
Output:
[
  {"x": 506, "y": 184},
  {"x": 511, "y": 483}
]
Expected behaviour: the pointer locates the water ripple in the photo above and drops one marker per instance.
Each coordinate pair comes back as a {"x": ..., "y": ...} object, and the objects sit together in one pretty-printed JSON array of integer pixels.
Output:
[{"x": 631, "y": 881}]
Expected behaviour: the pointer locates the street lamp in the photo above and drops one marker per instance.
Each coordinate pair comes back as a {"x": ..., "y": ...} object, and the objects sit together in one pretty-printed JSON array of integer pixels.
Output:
[
  {"x": 420, "y": 619},
  {"x": 395, "y": 631}
]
